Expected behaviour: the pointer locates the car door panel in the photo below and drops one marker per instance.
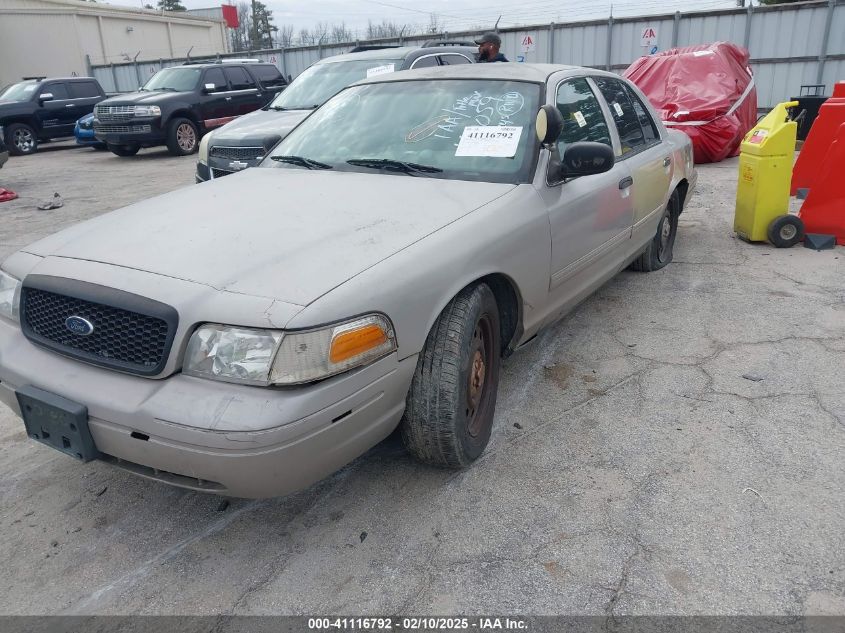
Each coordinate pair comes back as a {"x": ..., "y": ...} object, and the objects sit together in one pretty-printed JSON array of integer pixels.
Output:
[
  {"x": 214, "y": 105},
  {"x": 647, "y": 156},
  {"x": 589, "y": 216},
  {"x": 244, "y": 96},
  {"x": 57, "y": 115}
]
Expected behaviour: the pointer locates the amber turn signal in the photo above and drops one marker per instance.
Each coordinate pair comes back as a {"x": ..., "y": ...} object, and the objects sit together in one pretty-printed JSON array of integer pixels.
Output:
[{"x": 354, "y": 342}]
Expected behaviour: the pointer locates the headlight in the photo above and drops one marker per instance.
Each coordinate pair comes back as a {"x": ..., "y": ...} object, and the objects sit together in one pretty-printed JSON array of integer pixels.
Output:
[
  {"x": 143, "y": 110},
  {"x": 265, "y": 357},
  {"x": 203, "y": 151},
  {"x": 10, "y": 296}
]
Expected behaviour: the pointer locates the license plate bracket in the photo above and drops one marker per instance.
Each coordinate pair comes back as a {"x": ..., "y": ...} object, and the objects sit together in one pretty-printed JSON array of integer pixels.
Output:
[{"x": 57, "y": 422}]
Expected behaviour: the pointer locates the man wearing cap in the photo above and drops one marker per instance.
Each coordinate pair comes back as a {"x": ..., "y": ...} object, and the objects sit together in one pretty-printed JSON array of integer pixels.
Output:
[{"x": 488, "y": 48}]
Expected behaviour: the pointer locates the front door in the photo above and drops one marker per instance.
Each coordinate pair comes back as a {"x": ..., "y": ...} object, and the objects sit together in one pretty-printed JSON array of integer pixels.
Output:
[
  {"x": 215, "y": 99},
  {"x": 649, "y": 160},
  {"x": 84, "y": 95},
  {"x": 590, "y": 217},
  {"x": 56, "y": 115}
]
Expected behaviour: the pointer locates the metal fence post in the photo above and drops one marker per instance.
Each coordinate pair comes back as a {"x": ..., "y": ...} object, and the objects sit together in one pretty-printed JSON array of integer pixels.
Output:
[
  {"x": 831, "y": 7},
  {"x": 88, "y": 68},
  {"x": 676, "y": 27},
  {"x": 551, "y": 55},
  {"x": 746, "y": 42},
  {"x": 609, "y": 42},
  {"x": 284, "y": 64},
  {"x": 114, "y": 78}
]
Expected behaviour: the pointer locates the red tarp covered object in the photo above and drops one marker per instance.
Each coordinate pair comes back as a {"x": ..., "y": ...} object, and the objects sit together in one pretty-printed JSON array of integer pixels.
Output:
[{"x": 707, "y": 91}]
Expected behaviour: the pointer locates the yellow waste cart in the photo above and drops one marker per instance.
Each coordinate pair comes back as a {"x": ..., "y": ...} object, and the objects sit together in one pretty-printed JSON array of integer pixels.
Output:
[{"x": 765, "y": 173}]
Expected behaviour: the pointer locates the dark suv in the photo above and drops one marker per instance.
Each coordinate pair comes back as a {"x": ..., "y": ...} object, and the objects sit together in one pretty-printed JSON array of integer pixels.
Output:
[
  {"x": 244, "y": 142},
  {"x": 40, "y": 109},
  {"x": 180, "y": 104}
]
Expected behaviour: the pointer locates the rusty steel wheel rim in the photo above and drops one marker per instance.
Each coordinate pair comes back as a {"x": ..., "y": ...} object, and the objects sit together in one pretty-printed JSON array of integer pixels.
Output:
[
  {"x": 665, "y": 237},
  {"x": 186, "y": 137},
  {"x": 477, "y": 388}
]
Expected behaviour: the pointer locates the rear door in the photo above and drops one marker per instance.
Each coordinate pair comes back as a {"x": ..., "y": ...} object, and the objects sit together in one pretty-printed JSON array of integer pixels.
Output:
[
  {"x": 56, "y": 115},
  {"x": 270, "y": 81},
  {"x": 648, "y": 158},
  {"x": 84, "y": 94},
  {"x": 243, "y": 91},
  {"x": 452, "y": 59}
]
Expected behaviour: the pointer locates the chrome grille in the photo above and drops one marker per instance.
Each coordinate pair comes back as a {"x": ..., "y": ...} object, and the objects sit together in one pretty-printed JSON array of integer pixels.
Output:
[
  {"x": 237, "y": 153},
  {"x": 114, "y": 114},
  {"x": 122, "y": 129},
  {"x": 219, "y": 173}
]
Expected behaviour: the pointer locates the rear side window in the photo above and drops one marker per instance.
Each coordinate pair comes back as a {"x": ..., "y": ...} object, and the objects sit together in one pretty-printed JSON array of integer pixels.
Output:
[
  {"x": 624, "y": 116},
  {"x": 646, "y": 122},
  {"x": 59, "y": 91},
  {"x": 83, "y": 90},
  {"x": 215, "y": 76},
  {"x": 268, "y": 75},
  {"x": 451, "y": 60},
  {"x": 425, "y": 62},
  {"x": 239, "y": 78},
  {"x": 583, "y": 119}
]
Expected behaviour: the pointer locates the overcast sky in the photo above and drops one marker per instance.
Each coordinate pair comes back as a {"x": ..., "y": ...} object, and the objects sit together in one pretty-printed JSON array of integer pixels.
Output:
[{"x": 454, "y": 15}]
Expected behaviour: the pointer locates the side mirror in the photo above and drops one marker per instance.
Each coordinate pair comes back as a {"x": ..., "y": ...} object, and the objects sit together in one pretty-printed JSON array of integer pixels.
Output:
[
  {"x": 45, "y": 96},
  {"x": 549, "y": 124},
  {"x": 586, "y": 158},
  {"x": 209, "y": 88}
]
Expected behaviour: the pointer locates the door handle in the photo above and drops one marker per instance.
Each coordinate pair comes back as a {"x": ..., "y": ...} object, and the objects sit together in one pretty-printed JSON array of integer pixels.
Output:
[
  {"x": 68, "y": 105},
  {"x": 626, "y": 182},
  {"x": 667, "y": 161},
  {"x": 228, "y": 98}
]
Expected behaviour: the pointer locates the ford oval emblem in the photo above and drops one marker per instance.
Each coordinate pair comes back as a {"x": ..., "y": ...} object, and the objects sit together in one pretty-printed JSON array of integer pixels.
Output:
[{"x": 80, "y": 326}]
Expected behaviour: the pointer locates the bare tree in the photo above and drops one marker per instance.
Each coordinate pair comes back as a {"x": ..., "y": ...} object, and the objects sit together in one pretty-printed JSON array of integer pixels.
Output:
[
  {"x": 386, "y": 30},
  {"x": 434, "y": 25},
  {"x": 340, "y": 34},
  {"x": 284, "y": 35}
]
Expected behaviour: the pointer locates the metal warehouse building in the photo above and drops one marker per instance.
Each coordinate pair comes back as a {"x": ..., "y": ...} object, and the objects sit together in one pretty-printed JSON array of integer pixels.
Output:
[{"x": 63, "y": 37}]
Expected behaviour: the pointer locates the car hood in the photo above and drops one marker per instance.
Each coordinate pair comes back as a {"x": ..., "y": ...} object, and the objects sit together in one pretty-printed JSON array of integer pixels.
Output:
[
  {"x": 286, "y": 234},
  {"x": 256, "y": 126},
  {"x": 148, "y": 96}
]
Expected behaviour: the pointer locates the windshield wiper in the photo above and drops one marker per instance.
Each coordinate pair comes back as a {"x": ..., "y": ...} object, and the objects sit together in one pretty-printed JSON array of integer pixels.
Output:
[
  {"x": 394, "y": 165},
  {"x": 301, "y": 162}
]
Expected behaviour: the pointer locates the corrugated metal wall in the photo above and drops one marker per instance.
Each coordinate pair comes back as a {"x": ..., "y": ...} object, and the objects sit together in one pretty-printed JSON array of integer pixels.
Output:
[{"x": 786, "y": 44}]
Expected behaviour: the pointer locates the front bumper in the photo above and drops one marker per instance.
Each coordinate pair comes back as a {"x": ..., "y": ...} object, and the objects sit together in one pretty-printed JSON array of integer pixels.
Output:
[{"x": 217, "y": 437}]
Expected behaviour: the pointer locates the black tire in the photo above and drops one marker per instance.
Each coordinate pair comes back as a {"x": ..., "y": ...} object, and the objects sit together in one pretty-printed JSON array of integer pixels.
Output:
[
  {"x": 124, "y": 150},
  {"x": 659, "y": 251},
  {"x": 21, "y": 139},
  {"x": 785, "y": 231},
  {"x": 183, "y": 138},
  {"x": 449, "y": 411}
]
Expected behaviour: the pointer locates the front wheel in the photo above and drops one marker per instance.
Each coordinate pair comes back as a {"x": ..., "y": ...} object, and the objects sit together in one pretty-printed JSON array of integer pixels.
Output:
[
  {"x": 21, "y": 139},
  {"x": 182, "y": 137},
  {"x": 449, "y": 411},
  {"x": 660, "y": 250}
]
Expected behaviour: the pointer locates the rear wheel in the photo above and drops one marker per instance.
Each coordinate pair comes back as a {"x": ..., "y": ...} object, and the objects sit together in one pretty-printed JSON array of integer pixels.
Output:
[
  {"x": 660, "y": 250},
  {"x": 785, "y": 231},
  {"x": 124, "y": 150},
  {"x": 21, "y": 139},
  {"x": 449, "y": 413},
  {"x": 182, "y": 137}
]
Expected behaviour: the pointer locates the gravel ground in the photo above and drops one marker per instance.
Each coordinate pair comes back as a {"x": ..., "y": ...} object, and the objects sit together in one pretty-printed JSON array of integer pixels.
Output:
[{"x": 633, "y": 469}]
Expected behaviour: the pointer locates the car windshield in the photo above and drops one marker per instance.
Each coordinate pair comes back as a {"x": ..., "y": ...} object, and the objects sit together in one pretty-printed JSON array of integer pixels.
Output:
[
  {"x": 320, "y": 82},
  {"x": 466, "y": 129},
  {"x": 18, "y": 92},
  {"x": 178, "y": 79}
]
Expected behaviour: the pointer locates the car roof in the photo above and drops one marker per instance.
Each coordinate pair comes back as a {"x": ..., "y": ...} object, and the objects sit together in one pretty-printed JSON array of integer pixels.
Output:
[
  {"x": 502, "y": 71},
  {"x": 395, "y": 52}
]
